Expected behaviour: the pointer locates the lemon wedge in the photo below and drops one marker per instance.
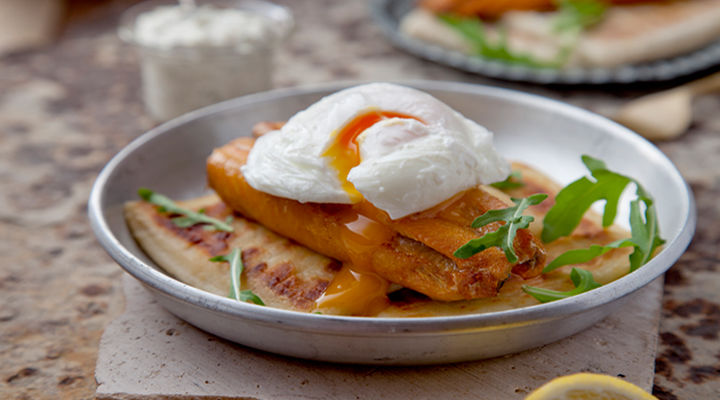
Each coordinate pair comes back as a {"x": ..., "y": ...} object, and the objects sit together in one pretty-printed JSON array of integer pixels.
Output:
[{"x": 587, "y": 386}]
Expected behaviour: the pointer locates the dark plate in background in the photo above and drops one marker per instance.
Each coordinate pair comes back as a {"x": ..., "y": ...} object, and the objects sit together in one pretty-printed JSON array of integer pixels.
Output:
[{"x": 388, "y": 13}]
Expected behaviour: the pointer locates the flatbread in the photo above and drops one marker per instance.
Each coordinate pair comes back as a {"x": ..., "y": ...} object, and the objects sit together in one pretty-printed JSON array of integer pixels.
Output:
[
  {"x": 284, "y": 274},
  {"x": 632, "y": 34},
  {"x": 627, "y": 34}
]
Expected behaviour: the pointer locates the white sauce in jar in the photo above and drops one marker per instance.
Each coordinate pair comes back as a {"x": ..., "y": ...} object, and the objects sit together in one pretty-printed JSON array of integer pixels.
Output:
[
  {"x": 168, "y": 27},
  {"x": 195, "y": 57}
]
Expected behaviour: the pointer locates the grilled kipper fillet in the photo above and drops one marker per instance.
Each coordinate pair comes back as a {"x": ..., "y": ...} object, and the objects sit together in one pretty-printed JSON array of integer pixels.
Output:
[
  {"x": 284, "y": 274},
  {"x": 417, "y": 254}
]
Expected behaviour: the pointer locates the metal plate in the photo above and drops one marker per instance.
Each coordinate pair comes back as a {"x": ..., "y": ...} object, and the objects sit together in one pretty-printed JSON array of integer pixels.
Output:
[
  {"x": 388, "y": 13},
  {"x": 542, "y": 132}
]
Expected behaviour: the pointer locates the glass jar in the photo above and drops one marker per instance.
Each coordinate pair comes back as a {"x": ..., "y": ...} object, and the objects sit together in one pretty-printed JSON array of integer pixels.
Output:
[{"x": 183, "y": 74}]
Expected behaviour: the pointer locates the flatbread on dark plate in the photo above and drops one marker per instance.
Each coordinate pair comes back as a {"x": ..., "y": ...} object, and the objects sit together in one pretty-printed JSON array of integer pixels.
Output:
[{"x": 389, "y": 13}]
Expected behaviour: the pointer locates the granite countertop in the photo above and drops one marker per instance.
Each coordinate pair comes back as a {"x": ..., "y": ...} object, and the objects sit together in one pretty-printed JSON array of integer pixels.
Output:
[{"x": 66, "y": 109}]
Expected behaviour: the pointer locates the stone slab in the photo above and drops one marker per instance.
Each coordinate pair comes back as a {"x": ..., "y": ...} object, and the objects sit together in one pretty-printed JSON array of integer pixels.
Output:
[{"x": 147, "y": 353}]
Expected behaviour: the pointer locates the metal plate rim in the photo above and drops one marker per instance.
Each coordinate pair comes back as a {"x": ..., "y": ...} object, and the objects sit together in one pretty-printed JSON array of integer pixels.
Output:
[{"x": 362, "y": 326}]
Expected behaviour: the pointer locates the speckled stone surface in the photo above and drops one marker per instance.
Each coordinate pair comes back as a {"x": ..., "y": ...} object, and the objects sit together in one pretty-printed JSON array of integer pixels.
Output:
[
  {"x": 145, "y": 350},
  {"x": 66, "y": 109}
]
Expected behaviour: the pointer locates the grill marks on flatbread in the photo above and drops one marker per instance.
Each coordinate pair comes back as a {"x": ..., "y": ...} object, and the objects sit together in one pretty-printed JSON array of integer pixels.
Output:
[
  {"x": 283, "y": 273},
  {"x": 627, "y": 34}
]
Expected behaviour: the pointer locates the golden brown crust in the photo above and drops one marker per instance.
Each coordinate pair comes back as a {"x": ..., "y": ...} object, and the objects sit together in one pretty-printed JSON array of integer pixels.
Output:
[{"x": 264, "y": 127}]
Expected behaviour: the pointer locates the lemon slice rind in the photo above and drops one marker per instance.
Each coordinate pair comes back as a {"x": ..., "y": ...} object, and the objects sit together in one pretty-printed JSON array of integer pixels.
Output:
[{"x": 588, "y": 386}]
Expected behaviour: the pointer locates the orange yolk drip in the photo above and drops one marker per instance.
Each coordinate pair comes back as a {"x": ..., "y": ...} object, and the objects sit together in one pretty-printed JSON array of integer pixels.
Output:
[
  {"x": 344, "y": 152},
  {"x": 356, "y": 289},
  {"x": 355, "y": 293}
]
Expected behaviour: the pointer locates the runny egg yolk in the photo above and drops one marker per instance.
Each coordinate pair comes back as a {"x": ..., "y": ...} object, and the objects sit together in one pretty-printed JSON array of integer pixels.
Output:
[
  {"x": 344, "y": 152},
  {"x": 356, "y": 289}
]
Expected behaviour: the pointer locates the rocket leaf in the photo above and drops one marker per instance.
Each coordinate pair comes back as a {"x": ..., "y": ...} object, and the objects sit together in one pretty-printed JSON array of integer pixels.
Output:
[
  {"x": 579, "y": 256},
  {"x": 188, "y": 218},
  {"x": 576, "y": 198},
  {"x": 473, "y": 30},
  {"x": 645, "y": 233},
  {"x": 504, "y": 236},
  {"x": 236, "y": 269},
  {"x": 582, "y": 279},
  {"x": 577, "y": 15},
  {"x": 513, "y": 181}
]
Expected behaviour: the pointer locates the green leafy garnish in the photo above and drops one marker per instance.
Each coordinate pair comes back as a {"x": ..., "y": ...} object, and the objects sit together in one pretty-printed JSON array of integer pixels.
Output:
[
  {"x": 183, "y": 222},
  {"x": 188, "y": 218},
  {"x": 504, "y": 236},
  {"x": 579, "y": 256},
  {"x": 578, "y": 15},
  {"x": 645, "y": 231},
  {"x": 236, "y": 269},
  {"x": 474, "y": 31},
  {"x": 582, "y": 279},
  {"x": 513, "y": 181},
  {"x": 572, "y": 17},
  {"x": 576, "y": 198}
]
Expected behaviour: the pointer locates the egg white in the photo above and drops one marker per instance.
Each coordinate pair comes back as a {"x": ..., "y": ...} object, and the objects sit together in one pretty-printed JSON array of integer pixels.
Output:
[{"x": 405, "y": 165}]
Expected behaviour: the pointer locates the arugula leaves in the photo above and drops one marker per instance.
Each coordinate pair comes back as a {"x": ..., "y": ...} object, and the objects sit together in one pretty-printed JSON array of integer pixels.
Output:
[
  {"x": 573, "y": 16},
  {"x": 236, "y": 269},
  {"x": 571, "y": 203},
  {"x": 579, "y": 256},
  {"x": 513, "y": 181},
  {"x": 582, "y": 279},
  {"x": 504, "y": 236},
  {"x": 645, "y": 232},
  {"x": 576, "y": 198},
  {"x": 189, "y": 217},
  {"x": 577, "y": 15},
  {"x": 474, "y": 31}
]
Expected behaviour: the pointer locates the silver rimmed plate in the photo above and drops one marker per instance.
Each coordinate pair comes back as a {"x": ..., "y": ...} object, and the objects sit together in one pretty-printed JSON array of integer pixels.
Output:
[
  {"x": 388, "y": 13},
  {"x": 542, "y": 132}
]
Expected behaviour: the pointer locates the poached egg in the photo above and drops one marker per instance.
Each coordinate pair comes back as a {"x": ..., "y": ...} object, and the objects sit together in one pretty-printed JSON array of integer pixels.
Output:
[{"x": 399, "y": 148}]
